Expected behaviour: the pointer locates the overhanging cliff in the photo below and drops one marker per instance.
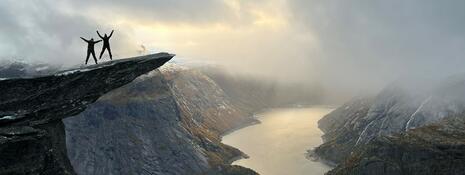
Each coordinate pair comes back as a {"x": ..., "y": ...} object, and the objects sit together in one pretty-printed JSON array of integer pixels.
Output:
[{"x": 32, "y": 136}]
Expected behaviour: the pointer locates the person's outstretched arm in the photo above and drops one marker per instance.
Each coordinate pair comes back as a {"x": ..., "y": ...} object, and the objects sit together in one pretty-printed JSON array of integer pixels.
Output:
[
  {"x": 111, "y": 33},
  {"x": 99, "y": 35},
  {"x": 84, "y": 39},
  {"x": 97, "y": 41}
]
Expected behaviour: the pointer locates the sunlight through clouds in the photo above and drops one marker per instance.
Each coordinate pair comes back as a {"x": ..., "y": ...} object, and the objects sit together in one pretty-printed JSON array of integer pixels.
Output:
[{"x": 340, "y": 44}]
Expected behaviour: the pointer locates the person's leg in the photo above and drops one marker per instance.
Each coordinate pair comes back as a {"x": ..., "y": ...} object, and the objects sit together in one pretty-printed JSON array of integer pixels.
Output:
[
  {"x": 93, "y": 55},
  {"x": 109, "y": 52},
  {"x": 101, "y": 53},
  {"x": 88, "y": 54}
]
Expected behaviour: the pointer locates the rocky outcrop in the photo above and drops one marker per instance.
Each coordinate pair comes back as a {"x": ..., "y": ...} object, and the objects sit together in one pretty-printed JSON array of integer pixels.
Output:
[
  {"x": 32, "y": 137},
  {"x": 381, "y": 135}
]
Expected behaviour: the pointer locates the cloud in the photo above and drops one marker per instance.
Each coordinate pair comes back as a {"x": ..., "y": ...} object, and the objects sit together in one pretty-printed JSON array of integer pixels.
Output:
[
  {"x": 366, "y": 44},
  {"x": 49, "y": 31},
  {"x": 348, "y": 46},
  {"x": 43, "y": 31},
  {"x": 33, "y": 30},
  {"x": 174, "y": 11}
]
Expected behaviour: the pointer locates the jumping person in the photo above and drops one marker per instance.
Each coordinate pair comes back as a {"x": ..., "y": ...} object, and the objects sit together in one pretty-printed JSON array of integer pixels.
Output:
[
  {"x": 106, "y": 44},
  {"x": 90, "y": 48}
]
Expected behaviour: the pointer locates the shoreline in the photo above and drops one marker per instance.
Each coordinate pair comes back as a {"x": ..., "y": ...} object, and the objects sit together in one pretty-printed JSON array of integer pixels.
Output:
[
  {"x": 250, "y": 122},
  {"x": 255, "y": 121}
]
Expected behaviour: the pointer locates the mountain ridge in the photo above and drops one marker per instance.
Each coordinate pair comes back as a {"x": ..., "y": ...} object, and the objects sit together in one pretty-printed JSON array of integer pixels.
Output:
[{"x": 364, "y": 136}]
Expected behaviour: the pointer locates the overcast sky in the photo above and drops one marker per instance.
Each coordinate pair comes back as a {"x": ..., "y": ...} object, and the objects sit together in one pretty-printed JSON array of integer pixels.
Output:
[{"x": 354, "y": 45}]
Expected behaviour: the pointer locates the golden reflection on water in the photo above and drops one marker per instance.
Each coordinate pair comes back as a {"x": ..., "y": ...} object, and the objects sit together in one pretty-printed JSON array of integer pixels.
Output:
[{"x": 278, "y": 145}]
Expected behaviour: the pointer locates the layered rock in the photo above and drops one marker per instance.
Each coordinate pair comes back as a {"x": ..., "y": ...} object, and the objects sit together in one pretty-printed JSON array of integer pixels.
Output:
[{"x": 32, "y": 137}]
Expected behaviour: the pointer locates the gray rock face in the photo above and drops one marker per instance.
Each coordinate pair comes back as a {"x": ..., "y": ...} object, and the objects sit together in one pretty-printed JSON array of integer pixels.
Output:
[
  {"x": 123, "y": 141},
  {"x": 432, "y": 149},
  {"x": 31, "y": 132},
  {"x": 166, "y": 123},
  {"x": 365, "y": 122},
  {"x": 169, "y": 122}
]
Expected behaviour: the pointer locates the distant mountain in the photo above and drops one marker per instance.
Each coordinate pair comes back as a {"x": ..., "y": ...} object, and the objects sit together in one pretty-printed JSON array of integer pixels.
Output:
[
  {"x": 22, "y": 69},
  {"x": 406, "y": 129}
]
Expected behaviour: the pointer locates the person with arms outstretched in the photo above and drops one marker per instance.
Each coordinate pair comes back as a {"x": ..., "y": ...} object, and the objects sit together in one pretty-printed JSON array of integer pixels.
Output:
[
  {"x": 106, "y": 44},
  {"x": 90, "y": 48}
]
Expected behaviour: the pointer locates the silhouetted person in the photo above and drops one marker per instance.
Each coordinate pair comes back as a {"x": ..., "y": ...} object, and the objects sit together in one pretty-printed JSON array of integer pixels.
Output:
[
  {"x": 90, "y": 48},
  {"x": 106, "y": 44}
]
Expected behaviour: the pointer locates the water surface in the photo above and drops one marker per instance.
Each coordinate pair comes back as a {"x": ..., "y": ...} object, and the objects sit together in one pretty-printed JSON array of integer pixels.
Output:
[{"x": 278, "y": 145}]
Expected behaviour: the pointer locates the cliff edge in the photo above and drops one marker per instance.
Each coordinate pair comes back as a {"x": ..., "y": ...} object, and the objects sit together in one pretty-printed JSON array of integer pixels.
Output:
[{"x": 32, "y": 136}]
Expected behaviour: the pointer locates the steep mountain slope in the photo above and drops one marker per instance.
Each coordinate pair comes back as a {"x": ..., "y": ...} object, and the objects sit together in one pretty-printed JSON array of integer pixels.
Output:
[
  {"x": 169, "y": 122},
  {"x": 165, "y": 123},
  {"x": 432, "y": 149},
  {"x": 341, "y": 131},
  {"x": 31, "y": 109},
  {"x": 366, "y": 124}
]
